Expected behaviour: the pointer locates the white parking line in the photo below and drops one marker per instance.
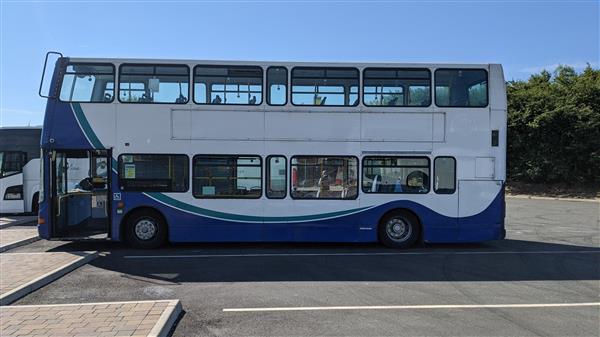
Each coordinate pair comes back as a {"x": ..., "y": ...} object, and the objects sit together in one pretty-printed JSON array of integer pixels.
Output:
[
  {"x": 361, "y": 254},
  {"x": 443, "y": 306}
]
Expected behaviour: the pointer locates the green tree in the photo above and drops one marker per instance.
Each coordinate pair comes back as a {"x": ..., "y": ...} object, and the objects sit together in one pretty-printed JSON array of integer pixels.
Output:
[{"x": 554, "y": 127}]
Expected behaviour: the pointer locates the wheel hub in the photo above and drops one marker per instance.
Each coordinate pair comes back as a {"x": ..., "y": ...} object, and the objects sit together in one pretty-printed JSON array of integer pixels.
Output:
[
  {"x": 398, "y": 229},
  {"x": 145, "y": 229}
]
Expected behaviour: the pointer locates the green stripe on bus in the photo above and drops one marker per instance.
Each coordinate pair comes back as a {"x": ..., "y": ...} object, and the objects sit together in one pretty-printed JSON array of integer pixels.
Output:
[
  {"x": 238, "y": 217},
  {"x": 87, "y": 129}
]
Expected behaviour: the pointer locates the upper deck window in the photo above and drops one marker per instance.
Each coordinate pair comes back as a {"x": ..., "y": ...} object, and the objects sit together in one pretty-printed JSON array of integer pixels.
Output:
[
  {"x": 277, "y": 85},
  {"x": 149, "y": 83},
  {"x": 461, "y": 88},
  {"x": 234, "y": 85},
  {"x": 88, "y": 82},
  {"x": 325, "y": 86},
  {"x": 396, "y": 87}
]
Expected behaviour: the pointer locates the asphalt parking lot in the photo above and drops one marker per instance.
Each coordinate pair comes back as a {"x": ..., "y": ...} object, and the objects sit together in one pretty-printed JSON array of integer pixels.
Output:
[{"x": 551, "y": 256}]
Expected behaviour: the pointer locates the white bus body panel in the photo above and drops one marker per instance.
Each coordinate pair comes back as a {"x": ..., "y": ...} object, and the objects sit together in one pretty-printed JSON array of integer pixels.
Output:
[
  {"x": 31, "y": 182},
  {"x": 11, "y": 206}
]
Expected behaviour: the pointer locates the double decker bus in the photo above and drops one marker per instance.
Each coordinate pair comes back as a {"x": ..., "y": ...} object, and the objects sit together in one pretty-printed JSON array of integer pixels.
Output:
[
  {"x": 19, "y": 169},
  {"x": 222, "y": 151}
]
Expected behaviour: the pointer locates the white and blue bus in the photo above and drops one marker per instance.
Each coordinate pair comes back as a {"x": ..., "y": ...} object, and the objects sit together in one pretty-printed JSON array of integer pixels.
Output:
[
  {"x": 224, "y": 151},
  {"x": 19, "y": 169}
]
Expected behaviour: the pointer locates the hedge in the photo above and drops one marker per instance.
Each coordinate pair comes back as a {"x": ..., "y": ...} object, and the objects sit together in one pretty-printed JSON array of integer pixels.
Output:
[{"x": 554, "y": 127}]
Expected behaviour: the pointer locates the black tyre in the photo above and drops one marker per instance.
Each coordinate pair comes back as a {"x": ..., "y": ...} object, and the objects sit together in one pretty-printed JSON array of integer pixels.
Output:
[
  {"x": 146, "y": 229},
  {"x": 35, "y": 206},
  {"x": 399, "y": 229}
]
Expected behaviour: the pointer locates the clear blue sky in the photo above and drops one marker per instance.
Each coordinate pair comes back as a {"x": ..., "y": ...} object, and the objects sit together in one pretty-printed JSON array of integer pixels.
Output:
[{"x": 525, "y": 36}]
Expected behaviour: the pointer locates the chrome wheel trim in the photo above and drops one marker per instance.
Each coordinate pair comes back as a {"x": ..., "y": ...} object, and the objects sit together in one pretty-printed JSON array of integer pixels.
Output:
[
  {"x": 145, "y": 229},
  {"x": 398, "y": 229}
]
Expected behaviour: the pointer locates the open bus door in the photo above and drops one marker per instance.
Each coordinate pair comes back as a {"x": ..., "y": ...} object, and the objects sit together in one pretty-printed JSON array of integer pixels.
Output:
[{"x": 80, "y": 190}]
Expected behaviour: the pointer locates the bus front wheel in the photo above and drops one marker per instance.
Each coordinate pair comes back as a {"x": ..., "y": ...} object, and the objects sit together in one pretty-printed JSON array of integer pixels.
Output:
[
  {"x": 146, "y": 229},
  {"x": 399, "y": 229}
]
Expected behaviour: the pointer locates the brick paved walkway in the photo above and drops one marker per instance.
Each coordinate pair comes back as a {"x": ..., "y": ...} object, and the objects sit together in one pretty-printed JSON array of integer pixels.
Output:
[
  {"x": 144, "y": 318},
  {"x": 21, "y": 269},
  {"x": 11, "y": 237}
]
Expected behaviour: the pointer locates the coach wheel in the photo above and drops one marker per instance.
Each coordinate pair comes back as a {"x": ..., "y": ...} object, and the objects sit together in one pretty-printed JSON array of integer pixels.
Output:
[
  {"x": 35, "y": 206},
  {"x": 399, "y": 229},
  {"x": 146, "y": 229}
]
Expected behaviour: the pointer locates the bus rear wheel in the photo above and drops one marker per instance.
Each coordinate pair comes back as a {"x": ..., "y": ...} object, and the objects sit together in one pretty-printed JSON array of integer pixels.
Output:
[
  {"x": 399, "y": 229},
  {"x": 146, "y": 229}
]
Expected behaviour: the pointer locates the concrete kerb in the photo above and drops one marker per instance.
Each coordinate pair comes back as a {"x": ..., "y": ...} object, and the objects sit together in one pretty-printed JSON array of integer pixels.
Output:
[
  {"x": 166, "y": 320},
  {"x": 43, "y": 280},
  {"x": 19, "y": 243}
]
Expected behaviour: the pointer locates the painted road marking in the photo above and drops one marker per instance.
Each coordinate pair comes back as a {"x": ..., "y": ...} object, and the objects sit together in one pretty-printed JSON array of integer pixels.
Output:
[
  {"x": 359, "y": 254},
  {"x": 443, "y": 306}
]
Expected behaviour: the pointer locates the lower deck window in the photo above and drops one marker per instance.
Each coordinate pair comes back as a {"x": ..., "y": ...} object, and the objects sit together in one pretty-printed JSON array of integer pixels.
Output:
[
  {"x": 395, "y": 175},
  {"x": 444, "y": 175},
  {"x": 324, "y": 177},
  {"x": 154, "y": 172},
  {"x": 276, "y": 175},
  {"x": 227, "y": 176}
]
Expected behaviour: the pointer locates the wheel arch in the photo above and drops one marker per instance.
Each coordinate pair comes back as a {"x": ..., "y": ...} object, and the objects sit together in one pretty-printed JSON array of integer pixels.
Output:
[
  {"x": 129, "y": 213},
  {"x": 407, "y": 210}
]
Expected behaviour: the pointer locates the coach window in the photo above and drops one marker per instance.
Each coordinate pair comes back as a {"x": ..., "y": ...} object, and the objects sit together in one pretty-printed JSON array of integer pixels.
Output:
[
  {"x": 88, "y": 82},
  {"x": 396, "y": 87},
  {"x": 149, "y": 83},
  {"x": 325, "y": 86},
  {"x": 233, "y": 85},
  {"x": 227, "y": 176},
  {"x": 395, "y": 175},
  {"x": 319, "y": 177},
  {"x": 154, "y": 172},
  {"x": 276, "y": 175},
  {"x": 12, "y": 162},
  {"x": 277, "y": 85},
  {"x": 461, "y": 88},
  {"x": 444, "y": 175}
]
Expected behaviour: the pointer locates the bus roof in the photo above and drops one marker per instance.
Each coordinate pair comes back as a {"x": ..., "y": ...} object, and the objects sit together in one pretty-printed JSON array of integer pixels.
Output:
[{"x": 283, "y": 63}]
